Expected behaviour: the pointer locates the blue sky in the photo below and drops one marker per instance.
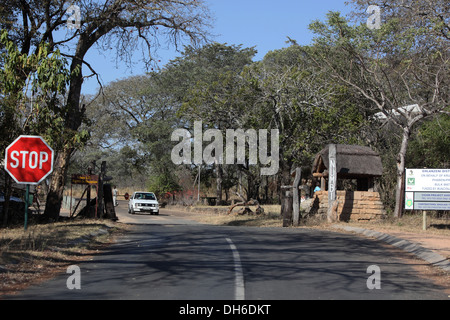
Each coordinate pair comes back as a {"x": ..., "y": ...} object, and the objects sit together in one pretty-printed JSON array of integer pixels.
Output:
[{"x": 261, "y": 23}]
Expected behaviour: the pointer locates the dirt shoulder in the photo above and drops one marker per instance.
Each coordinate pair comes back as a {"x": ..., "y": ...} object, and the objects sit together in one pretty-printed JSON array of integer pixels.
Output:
[
  {"x": 436, "y": 237},
  {"x": 435, "y": 242},
  {"x": 29, "y": 257}
]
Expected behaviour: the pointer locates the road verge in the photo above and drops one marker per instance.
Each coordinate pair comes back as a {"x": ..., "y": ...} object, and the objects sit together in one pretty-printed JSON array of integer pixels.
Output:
[{"x": 30, "y": 256}]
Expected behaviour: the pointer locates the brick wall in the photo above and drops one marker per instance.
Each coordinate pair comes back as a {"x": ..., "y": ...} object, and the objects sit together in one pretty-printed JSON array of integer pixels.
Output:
[{"x": 352, "y": 205}]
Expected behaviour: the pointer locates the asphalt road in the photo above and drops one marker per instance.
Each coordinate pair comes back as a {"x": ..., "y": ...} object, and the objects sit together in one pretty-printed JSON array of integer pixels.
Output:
[{"x": 169, "y": 258}]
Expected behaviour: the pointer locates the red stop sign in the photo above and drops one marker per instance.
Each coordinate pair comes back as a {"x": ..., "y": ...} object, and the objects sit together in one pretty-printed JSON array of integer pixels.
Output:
[{"x": 29, "y": 160}]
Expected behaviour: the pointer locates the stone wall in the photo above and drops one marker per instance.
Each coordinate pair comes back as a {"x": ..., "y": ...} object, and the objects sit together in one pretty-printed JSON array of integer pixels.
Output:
[{"x": 352, "y": 205}]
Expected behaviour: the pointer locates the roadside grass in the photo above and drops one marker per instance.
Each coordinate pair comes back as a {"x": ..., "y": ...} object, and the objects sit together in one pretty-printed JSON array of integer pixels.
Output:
[
  {"x": 222, "y": 219},
  {"x": 217, "y": 215},
  {"x": 31, "y": 256},
  {"x": 438, "y": 225},
  {"x": 28, "y": 257}
]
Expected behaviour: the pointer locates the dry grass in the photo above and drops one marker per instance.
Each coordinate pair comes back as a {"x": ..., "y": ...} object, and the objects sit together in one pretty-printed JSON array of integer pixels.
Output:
[
  {"x": 223, "y": 219},
  {"x": 411, "y": 223},
  {"x": 28, "y": 257},
  {"x": 217, "y": 215}
]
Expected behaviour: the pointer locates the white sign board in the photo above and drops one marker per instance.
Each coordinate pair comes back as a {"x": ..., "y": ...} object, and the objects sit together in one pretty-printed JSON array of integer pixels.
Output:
[{"x": 427, "y": 189}]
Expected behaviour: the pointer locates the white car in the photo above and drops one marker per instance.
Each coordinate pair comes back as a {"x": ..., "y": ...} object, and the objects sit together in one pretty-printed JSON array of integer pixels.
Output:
[{"x": 143, "y": 202}]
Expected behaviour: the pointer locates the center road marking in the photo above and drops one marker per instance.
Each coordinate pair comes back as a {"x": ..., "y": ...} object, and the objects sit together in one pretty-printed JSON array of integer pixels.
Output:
[{"x": 239, "y": 291}]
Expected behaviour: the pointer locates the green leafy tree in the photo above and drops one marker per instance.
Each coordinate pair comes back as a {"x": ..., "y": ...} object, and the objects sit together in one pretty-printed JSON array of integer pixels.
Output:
[
  {"x": 31, "y": 95},
  {"x": 135, "y": 117},
  {"x": 282, "y": 92},
  {"x": 307, "y": 108},
  {"x": 31, "y": 91},
  {"x": 113, "y": 25},
  {"x": 430, "y": 145},
  {"x": 401, "y": 70},
  {"x": 207, "y": 77}
]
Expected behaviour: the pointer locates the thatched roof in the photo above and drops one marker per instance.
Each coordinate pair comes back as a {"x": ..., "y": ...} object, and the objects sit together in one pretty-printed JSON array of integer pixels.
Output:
[{"x": 352, "y": 162}]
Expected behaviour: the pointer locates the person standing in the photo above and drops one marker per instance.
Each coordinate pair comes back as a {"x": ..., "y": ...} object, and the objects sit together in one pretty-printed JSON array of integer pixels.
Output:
[{"x": 115, "y": 193}]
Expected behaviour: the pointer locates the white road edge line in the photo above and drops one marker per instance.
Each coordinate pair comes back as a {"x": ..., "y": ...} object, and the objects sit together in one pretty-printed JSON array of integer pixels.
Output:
[{"x": 239, "y": 290}]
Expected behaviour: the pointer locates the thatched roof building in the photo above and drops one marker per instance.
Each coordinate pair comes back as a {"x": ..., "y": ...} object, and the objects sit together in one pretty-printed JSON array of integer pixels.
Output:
[{"x": 352, "y": 162}]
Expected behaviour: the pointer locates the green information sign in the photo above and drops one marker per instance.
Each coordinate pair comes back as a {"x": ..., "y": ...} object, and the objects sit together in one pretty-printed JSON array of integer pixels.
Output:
[{"x": 427, "y": 189}]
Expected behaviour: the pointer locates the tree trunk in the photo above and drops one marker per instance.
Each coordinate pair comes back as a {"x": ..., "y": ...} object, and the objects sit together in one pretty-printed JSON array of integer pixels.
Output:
[
  {"x": 286, "y": 201},
  {"x": 73, "y": 121},
  {"x": 253, "y": 184},
  {"x": 287, "y": 209},
  {"x": 56, "y": 189},
  {"x": 110, "y": 210},
  {"x": 401, "y": 163},
  {"x": 219, "y": 180},
  {"x": 266, "y": 190},
  {"x": 8, "y": 193}
]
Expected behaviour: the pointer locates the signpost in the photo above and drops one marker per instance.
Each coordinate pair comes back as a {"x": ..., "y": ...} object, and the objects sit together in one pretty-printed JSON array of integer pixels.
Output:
[
  {"x": 85, "y": 179},
  {"x": 332, "y": 181},
  {"x": 29, "y": 160},
  {"x": 427, "y": 189}
]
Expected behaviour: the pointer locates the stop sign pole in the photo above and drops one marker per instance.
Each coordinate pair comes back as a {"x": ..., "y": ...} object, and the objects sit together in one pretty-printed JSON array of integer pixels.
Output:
[{"x": 29, "y": 160}]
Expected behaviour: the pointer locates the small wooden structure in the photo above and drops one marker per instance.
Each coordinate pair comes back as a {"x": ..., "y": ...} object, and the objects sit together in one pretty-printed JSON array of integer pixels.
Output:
[
  {"x": 102, "y": 206},
  {"x": 209, "y": 201},
  {"x": 352, "y": 162}
]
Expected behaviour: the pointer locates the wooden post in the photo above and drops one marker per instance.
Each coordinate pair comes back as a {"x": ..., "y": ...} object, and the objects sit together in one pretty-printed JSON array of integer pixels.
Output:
[
  {"x": 88, "y": 198},
  {"x": 371, "y": 185},
  {"x": 27, "y": 202},
  {"x": 71, "y": 214},
  {"x": 109, "y": 203},
  {"x": 101, "y": 176},
  {"x": 286, "y": 207},
  {"x": 287, "y": 214},
  {"x": 424, "y": 222},
  {"x": 88, "y": 195},
  {"x": 322, "y": 184},
  {"x": 97, "y": 202},
  {"x": 296, "y": 197},
  {"x": 332, "y": 180}
]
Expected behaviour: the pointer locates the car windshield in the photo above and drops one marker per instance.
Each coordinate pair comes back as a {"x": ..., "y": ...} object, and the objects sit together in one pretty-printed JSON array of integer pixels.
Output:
[{"x": 145, "y": 196}]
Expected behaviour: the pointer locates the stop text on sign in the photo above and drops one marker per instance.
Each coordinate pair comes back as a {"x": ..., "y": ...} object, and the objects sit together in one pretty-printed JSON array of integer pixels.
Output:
[{"x": 29, "y": 159}]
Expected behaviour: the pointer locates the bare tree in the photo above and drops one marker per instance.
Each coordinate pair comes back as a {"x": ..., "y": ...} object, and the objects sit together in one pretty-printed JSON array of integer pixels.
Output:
[{"x": 402, "y": 69}]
